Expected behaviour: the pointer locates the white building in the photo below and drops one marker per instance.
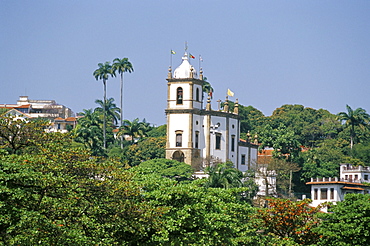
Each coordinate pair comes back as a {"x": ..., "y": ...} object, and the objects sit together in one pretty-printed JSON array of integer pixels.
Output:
[
  {"x": 39, "y": 108},
  {"x": 352, "y": 180},
  {"x": 197, "y": 135},
  {"x": 63, "y": 125}
]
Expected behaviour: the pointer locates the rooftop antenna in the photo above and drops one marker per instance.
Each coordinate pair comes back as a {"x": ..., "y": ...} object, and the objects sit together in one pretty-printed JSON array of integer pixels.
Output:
[
  {"x": 200, "y": 61},
  {"x": 186, "y": 49}
]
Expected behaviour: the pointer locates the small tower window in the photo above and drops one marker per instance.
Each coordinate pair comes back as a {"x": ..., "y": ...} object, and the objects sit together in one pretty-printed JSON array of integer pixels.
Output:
[
  {"x": 233, "y": 143},
  {"x": 179, "y": 96},
  {"x": 196, "y": 140},
  {"x": 197, "y": 94},
  {"x": 218, "y": 141}
]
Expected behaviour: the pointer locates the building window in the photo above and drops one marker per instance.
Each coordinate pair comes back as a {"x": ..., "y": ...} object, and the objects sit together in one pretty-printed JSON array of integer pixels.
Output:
[
  {"x": 315, "y": 195},
  {"x": 178, "y": 139},
  {"x": 197, "y": 94},
  {"x": 243, "y": 160},
  {"x": 366, "y": 177},
  {"x": 356, "y": 177},
  {"x": 233, "y": 143},
  {"x": 332, "y": 193},
  {"x": 324, "y": 193},
  {"x": 196, "y": 140},
  {"x": 179, "y": 96},
  {"x": 178, "y": 156},
  {"x": 218, "y": 141}
]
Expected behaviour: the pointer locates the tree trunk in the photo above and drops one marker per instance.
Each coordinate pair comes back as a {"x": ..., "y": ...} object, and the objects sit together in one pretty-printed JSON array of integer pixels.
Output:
[
  {"x": 121, "y": 120},
  {"x": 352, "y": 135},
  {"x": 104, "y": 120}
]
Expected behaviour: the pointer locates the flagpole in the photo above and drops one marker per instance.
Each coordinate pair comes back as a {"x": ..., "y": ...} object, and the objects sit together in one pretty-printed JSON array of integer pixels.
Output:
[
  {"x": 171, "y": 58},
  {"x": 199, "y": 65}
]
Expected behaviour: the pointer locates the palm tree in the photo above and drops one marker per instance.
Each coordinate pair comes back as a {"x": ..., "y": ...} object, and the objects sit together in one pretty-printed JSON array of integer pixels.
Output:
[
  {"x": 134, "y": 129},
  {"x": 224, "y": 176},
  {"x": 89, "y": 118},
  {"x": 103, "y": 73},
  {"x": 206, "y": 88},
  {"x": 112, "y": 111},
  {"x": 88, "y": 131},
  {"x": 122, "y": 66},
  {"x": 353, "y": 118}
]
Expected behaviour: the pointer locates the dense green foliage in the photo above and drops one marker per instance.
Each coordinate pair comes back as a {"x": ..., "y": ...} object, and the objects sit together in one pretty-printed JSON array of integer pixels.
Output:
[
  {"x": 348, "y": 222},
  {"x": 313, "y": 139},
  {"x": 54, "y": 192}
]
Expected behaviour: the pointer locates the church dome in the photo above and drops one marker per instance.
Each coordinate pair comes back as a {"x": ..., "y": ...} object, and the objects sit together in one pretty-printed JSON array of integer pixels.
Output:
[{"x": 183, "y": 71}]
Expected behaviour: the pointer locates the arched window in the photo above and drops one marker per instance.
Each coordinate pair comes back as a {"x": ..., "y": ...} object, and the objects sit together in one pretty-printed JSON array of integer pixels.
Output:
[
  {"x": 179, "y": 96},
  {"x": 197, "y": 94},
  {"x": 178, "y": 156}
]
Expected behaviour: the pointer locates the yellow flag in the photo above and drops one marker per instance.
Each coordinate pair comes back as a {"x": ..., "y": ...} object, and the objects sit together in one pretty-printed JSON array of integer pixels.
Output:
[{"x": 230, "y": 93}]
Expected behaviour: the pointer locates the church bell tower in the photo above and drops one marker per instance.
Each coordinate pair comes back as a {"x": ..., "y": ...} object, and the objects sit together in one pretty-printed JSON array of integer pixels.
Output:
[{"x": 184, "y": 106}]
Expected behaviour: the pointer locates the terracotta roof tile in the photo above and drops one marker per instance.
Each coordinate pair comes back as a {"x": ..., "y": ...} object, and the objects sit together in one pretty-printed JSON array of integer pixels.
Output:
[{"x": 71, "y": 119}]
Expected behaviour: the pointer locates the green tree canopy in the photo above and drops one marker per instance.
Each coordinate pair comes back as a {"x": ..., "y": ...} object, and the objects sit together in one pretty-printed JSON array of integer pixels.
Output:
[
  {"x": 18, "y": 134},
  {"x": 348, "y": 222},
  {"x": 146, "y": 149},
  {"x": 63, "y": 197},
  {"x": 165, "y": 168},
  {"x": 282, "y": 140}
]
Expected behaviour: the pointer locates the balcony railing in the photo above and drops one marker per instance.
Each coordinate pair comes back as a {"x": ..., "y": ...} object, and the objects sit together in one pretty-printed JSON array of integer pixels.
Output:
[
  {"x": 358, "y": 168},
  {"x": 337, "y": 179}
]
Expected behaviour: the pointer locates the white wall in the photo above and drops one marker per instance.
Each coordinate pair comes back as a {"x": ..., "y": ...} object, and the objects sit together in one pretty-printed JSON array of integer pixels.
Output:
[{"x": 179, "y": 122}]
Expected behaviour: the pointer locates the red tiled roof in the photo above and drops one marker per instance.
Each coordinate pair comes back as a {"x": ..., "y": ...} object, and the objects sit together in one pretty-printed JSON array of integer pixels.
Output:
[
  {"x": 71, "y": 119},
  {"x": 59, "y": 118},
  {"x": 23, "y": 106},
  {"x": 352, "y": 188}
]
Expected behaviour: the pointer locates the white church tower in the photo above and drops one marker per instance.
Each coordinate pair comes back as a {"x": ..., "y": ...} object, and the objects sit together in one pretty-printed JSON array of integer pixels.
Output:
[{"x": 194, "y": 133}]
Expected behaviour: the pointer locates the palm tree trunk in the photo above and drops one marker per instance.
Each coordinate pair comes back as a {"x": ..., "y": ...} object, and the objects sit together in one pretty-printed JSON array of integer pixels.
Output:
[
  {"x": 121, "y": 120},
  {"x": 122, "y": 85},
  {"x": 104, "y": 117},
  {"x": 352, "y": 133}
]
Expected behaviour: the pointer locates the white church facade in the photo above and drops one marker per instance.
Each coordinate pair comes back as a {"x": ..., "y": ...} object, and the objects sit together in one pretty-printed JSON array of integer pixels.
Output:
[{"x": 197, "y": 134}]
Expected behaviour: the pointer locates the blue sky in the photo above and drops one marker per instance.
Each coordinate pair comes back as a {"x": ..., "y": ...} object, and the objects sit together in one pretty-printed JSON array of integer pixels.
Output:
[{"x": 269, "y": 53}]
